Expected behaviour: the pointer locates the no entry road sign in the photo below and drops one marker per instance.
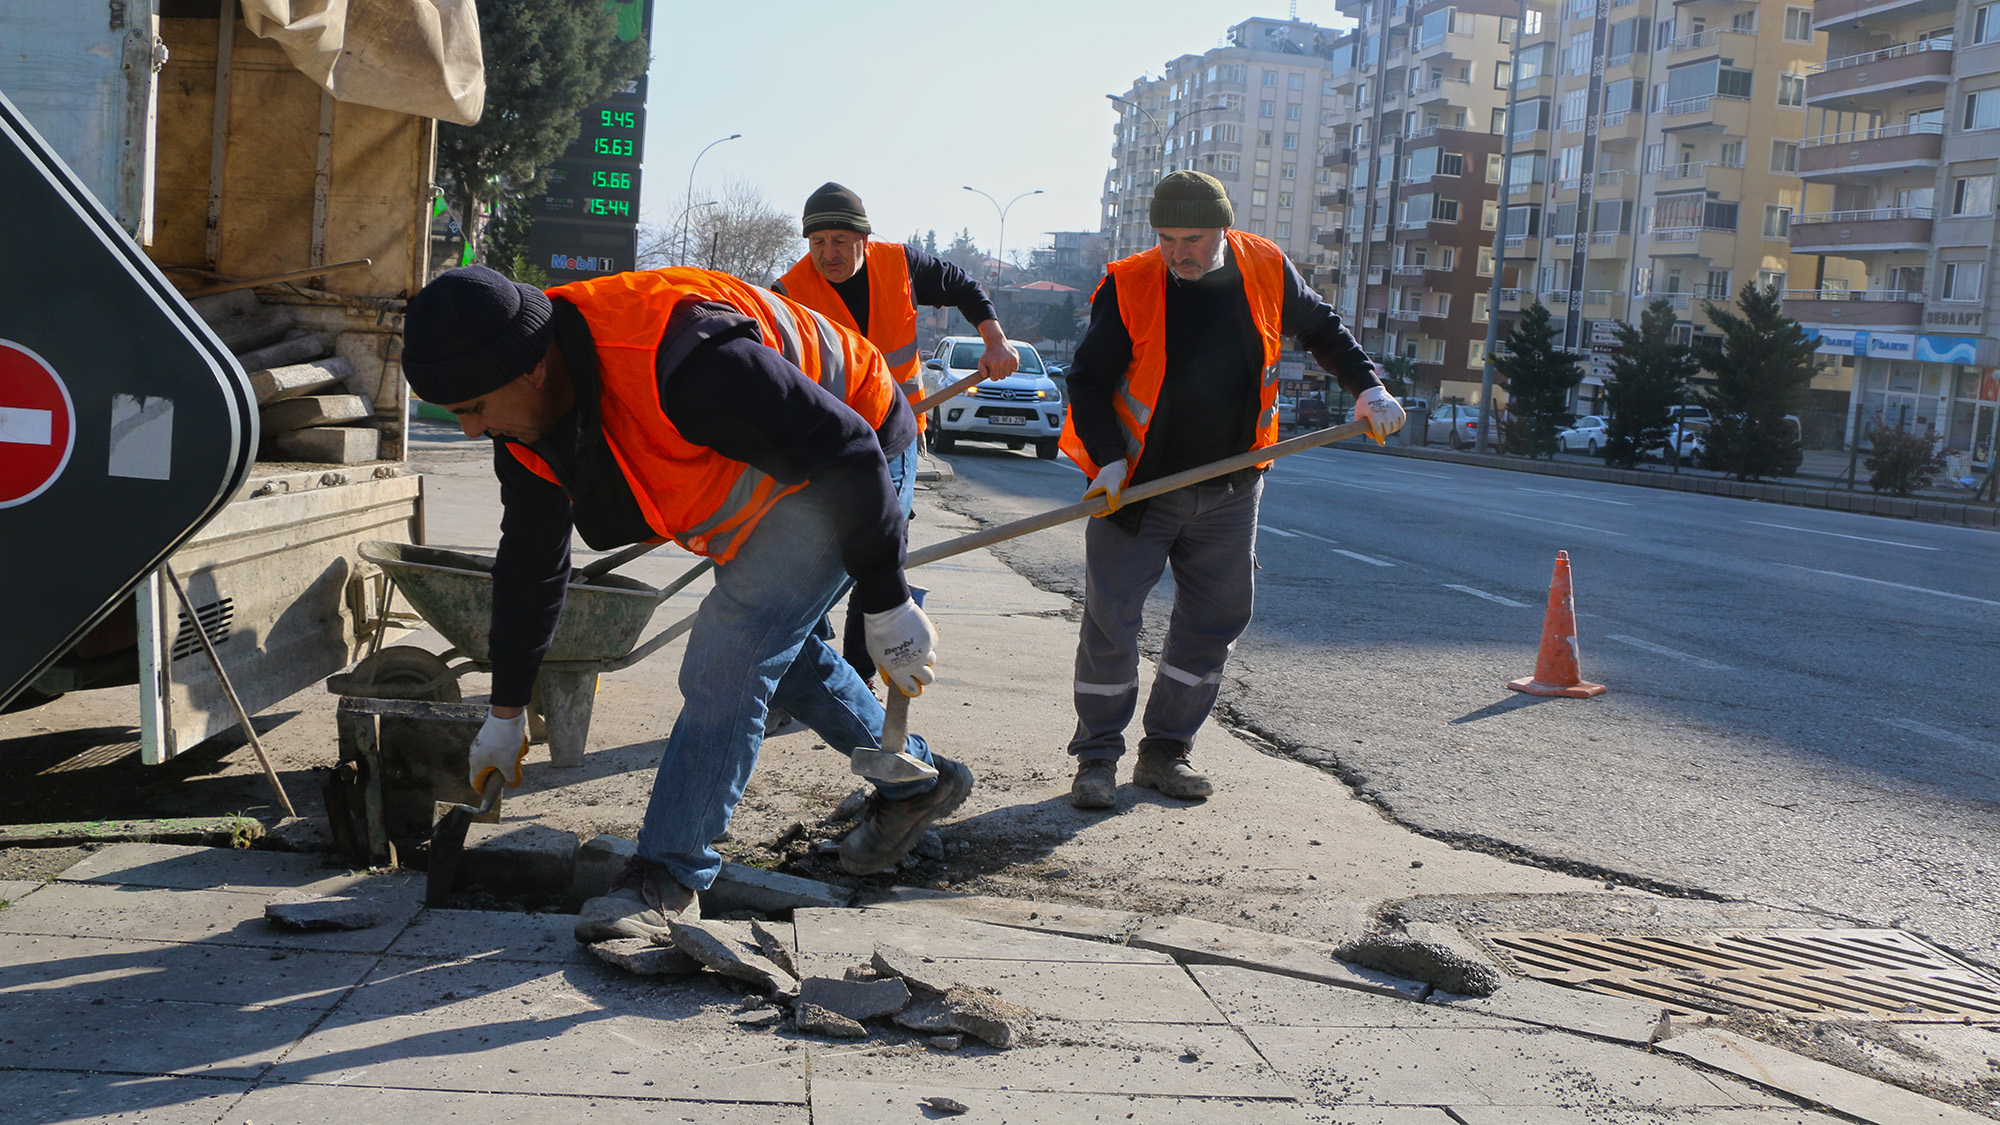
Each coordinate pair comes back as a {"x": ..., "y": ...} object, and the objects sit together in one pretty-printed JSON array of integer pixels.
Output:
[
  {"x": 125, "y": 425},
  {"x": 37, "y": 425}
]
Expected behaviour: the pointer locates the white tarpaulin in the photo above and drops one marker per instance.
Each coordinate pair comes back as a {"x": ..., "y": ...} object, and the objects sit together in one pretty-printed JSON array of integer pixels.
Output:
[{"x": 419, "y": 57}]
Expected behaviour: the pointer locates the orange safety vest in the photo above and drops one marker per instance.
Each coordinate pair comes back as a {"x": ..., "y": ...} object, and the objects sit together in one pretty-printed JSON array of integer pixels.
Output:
[
  {"x": 892, "y": 309},
  {"x": 702, "y": 500},
  {"x": 1142, "y": 305}
]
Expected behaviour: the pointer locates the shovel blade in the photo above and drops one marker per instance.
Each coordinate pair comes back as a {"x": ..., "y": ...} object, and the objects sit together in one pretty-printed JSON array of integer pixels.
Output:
[{"x": 883, "y": 765}]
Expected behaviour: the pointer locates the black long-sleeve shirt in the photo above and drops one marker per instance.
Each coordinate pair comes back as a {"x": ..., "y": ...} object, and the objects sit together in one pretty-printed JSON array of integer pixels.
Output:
[
  {"x": 721, "y": 387},
  {"x": 1209, "y": 396},
  {"x": 934, "y": 282}
]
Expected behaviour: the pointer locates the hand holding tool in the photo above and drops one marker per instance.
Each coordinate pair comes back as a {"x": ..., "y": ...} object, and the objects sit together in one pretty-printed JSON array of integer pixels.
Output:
[
  {"x": 1110, "y": 484},
  {"x": 903, "y": 644},
  {"x": 1381, "y": 411},
  {"x": 498, "y": 750}
]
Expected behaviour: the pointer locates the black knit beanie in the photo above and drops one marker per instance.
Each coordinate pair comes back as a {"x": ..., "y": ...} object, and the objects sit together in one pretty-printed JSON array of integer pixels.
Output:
[
  {"x": 833, "y": 207},
  {"x": 472, "y": 331},
  {"x": 1191, "y": 199}
]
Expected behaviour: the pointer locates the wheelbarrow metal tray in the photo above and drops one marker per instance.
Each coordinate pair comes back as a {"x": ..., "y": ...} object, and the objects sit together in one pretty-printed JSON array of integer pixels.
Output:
[{"x": 601, "y": 620}]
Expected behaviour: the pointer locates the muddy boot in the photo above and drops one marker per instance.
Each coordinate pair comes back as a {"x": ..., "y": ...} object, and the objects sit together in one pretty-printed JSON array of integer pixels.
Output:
[
  {"x": 640, "y": 903},
  {"x": 1096, "y": 783},
  {"x": 1163, "y": 765},
  {"x": 889, "y": 829}
]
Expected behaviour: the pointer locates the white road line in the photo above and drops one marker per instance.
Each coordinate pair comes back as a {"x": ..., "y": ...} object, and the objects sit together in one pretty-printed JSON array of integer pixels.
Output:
[
  {"x": 1277, "y": 531},
  {"x": 1914, "y": 727},
  {"x": 1697, "y": 661},
  {"x": 1478, "y": 593},
  {"x": 1559, "y": 523},
  {"x": 1894, "y": 585},
  {"x": 1838, "y": 535},
  {"x": 1408, "y": 473},
  {"x": 1310, "y": 535},
  {"x": 1361, "y": 557},
  {"x": 1577, "y": 496}
]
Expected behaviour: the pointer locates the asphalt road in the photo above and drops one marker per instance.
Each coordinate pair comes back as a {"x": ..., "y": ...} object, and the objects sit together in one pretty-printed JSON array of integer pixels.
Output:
[{"x": 1800, "y": 709}]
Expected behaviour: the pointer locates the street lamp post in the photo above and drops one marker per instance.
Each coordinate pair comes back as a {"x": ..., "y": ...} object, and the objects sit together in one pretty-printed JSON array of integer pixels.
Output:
[
  {"x": 686, "y": 216},
  {"x": 1000, "y": 251},
  {"x": 682, "y": 240}
]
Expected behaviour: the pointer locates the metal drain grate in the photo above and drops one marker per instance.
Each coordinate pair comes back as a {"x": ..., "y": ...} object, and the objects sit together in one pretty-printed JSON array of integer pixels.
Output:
[{"x": 1819, "y": 974}]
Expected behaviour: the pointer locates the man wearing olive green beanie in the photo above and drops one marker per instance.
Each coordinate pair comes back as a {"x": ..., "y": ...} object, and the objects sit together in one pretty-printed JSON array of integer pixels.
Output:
[{"x": 1178, "y": 369}]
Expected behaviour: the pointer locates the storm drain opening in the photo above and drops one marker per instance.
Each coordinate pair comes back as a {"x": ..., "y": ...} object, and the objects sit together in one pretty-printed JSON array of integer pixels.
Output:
[{"x": 1882, "y": 975}]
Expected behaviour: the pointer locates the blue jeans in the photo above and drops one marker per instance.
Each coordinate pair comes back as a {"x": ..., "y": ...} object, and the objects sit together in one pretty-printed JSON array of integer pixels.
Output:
[{"x": 752, "y": 648}]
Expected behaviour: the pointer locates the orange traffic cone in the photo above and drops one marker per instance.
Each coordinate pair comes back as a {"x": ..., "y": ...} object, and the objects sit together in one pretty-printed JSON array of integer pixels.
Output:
[{"x": 1556, "y": 670}]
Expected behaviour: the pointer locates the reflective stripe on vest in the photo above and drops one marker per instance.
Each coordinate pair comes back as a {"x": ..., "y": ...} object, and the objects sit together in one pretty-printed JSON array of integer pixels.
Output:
[
  {"x": 688, "y": 492},
  {"x": 1142, "y": 306},
  {"x": 892, "y": 309}
]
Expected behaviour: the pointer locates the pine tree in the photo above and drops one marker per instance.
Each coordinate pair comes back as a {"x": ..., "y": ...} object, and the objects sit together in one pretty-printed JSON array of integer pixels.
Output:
[
  {"x": 1539, "y": 376},
  {"x": 1059, "y": 322},
  {"x": 1649, "y": 374},
  {"x": 545, "y": 61},
  {"x": 1762, "y": 370}
]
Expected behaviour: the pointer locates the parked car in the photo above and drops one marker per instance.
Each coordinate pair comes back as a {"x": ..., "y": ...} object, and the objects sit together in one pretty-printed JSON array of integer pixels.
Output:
[
  {"x": 1689, "y": 438},
  {"x": 1313, "y": 413},
  {"x": 1288, "y": 413},
  {"x": 1586, "y": 436},
  {"x": 1691, "y": 411},
  {"x": 1025, "y": 407},
  {"x": 1455, "y": 425}
]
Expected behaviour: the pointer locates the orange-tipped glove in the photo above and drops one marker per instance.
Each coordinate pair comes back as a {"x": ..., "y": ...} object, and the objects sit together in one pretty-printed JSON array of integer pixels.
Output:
[
  {"x": 1110, "y": 484},
  {"x": 1381, "y": 411},
  {"x": 903, "y": 644},
  {"x": 500, "y": 746}
]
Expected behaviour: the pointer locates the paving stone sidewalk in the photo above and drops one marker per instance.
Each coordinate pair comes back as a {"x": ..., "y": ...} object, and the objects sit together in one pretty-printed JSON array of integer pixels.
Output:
[{"x": 144, "y": 984}]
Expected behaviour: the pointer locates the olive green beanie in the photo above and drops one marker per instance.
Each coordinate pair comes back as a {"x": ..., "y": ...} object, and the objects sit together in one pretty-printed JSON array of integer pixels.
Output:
[{"x": 1191, "y": 199}]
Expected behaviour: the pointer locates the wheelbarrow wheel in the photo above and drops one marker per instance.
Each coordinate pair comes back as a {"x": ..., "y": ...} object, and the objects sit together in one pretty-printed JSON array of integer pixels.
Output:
[{"x": 408, "y": 665}]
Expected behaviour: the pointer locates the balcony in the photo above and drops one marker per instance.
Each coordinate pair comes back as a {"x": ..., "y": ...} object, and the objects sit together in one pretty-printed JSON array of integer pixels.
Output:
[
  {"x": 1689, "y": 48},
  {"x": 1828, "y": 13},
  {"x": 1510, "y": 300},
  {"x": 1610, "y": 246},
  {"x": 1725, "y": 179},
  {"x": 1620, "y": 125},
  {"x": 1409, "y": 269},
  {"x": 1335, "y": 198},
  {"x": 1337, "y": 158},
  {"x": 1726, "y": 112},
  {"x": 1862, "y": 81},
  {"x": 1332, "y": 239},
  {"x": 1450, "y": 91},
  {"x": 1843, "y": 232},
  {"x": 1716, "y": 244},
  {"x": 1522, "y": 246},
  {"x": 1855, "y": 308},
  {"x": 1679, "y": 301},
  {"x": 1408, "y": 315},
  {"x": 1871, "y": 152}
]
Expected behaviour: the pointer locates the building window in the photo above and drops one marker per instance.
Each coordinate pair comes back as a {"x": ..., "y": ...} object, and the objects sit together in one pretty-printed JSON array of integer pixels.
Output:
[
  {"x": 1267, "y": 109},
  {"x": 1503, "y": 75},
  {"x": 1226, "y": 162},
  {"x": 1962, "y": 281},
  {"x": 1986, "y": 23},
  {"x": 1785, "y": 154},
  {"x": 1576, "y": 60},
  {"x": 1451, "y": 164},
  {"x": 1444, "y": 210},
  {"x": 1475, "y": 350},
  {"x": 1282, "y": 230},
  {"x": 1263, "y": 138},
  {"x": 1285, "y": 199},
  {"x": 1292, "y": 111},
  {"x": 1485, "y": 261},
  {"x": 1292, "y": 141},
  {"x": 1270, "y": 78},
  {"x": 1982, "y": 109},
  {"x": 1777, "y": 221},
  {"x": 1792, "y": 90},
  {"x": 1745, "y": 22},
  {"x": 1287, "y": 171},
  {"x": 1798, "y": 25},
  {"x": 1493, "y": 167},
  {"x": 1772, "y": 279},
  {"x": 1499, "y": 124},
  {"x": 1489, "y": 214},
  {"x": 1296, "y": 80},
  {"x": 1259, "y": 197},
  {"x": 1730, "y": 154},
  {"x": 1262, "y": 169},
  {"x": 1972, "y": 195},
  {"x": 1444, "y": 304}
]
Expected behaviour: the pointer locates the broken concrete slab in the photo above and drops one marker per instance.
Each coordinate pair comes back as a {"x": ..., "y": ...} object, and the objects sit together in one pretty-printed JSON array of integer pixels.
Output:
[
  {"x": 1192, "y": 941},
  {"x": 307, "y": 913},
  {"x": 762, "y": 1017},
  {"x": 989, "y": 1019},
  {"x": 733, "y": 954},
  {"x": 330, "y": 445},
  {"x": 774, "y": 947},
  {"x": 1814, "y": 1081},
  {"x": 276, "y": 384},
  {"x": 1412, "y": 958},
  {"x": 922, "y": 973},
  {"x": 741, "y": 887},
  {"x": 299, "y": 347},
  {"x": 597, "y": 863},
  {"x": 926, "y": 1016},
  {"x": 1087, "y": 922},
  {"x": 218, "y": 308},
  {"x": 518, "y": 858},
  {"x": 641, "y": 957},
  {"x": 815, "y": 1020},
  {"x": 1251, "y": 996},
  {"x": 857, "y": 1000},
  {"x": 314, "y": 410},
  {"x": 257, "y": 327}
]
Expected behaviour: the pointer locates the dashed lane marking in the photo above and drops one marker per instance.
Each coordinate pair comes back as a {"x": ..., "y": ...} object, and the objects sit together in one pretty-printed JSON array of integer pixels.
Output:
[
  {"x": 1310, "y": 535},
  {"x": 1838, "y": 535},
  {"x": 1560, "y": 523},
  {"x": 1978, "y": 746},
  {"x": 1578, "y": 496},
  {"x": 1688, "y": 657},
  {"x": 1278, "y": 531},
  {"x": 1478, "y": 593},
  {"x": 1895, "y": 585},
  {"x": 1362, "y": 558}
]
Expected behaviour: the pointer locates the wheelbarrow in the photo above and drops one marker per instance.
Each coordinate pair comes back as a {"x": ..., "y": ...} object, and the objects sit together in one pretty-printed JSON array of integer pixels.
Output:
[{"x": 598, "y": 632}]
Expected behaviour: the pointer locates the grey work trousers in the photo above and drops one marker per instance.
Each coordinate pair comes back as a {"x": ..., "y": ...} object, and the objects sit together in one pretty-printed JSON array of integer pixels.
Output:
[{"x": 1208, "y": 534}]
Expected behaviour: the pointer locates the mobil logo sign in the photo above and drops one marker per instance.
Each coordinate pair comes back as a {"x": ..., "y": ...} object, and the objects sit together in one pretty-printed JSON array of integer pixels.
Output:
[{"x": 37, "y": 425}]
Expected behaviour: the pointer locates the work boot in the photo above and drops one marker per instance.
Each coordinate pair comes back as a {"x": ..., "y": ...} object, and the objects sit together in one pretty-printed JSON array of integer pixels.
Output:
[
  {"x": 639, "y": 903},
  {"x": 778, "y": 721},
  {"x": 1096, "y": 783},
  {"x": 889, "y": 829},
  {"x": 1163, "y": 765}
]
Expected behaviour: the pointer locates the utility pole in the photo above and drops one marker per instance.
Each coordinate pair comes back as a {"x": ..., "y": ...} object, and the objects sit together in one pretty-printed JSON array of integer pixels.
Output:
[{"x": 1500, "y": 236}]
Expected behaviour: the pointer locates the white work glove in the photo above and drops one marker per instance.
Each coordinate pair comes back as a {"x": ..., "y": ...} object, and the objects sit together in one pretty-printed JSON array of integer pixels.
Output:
[
  {"x": 1110, "y": 484},
  {"x": 501, "y": 745},
  {"x": 1381, "y": 411},
  {"x": 903, "y": 644}
]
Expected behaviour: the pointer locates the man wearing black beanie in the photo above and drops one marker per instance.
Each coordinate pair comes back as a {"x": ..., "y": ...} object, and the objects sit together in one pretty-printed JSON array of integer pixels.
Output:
[
  {"x": 1178, "y": 369},
  {"x": 675, "y": 404}
]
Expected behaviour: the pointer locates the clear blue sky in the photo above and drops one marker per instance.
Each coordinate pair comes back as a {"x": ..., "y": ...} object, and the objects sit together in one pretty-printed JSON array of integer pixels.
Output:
[{"x": 907, "y": 102}]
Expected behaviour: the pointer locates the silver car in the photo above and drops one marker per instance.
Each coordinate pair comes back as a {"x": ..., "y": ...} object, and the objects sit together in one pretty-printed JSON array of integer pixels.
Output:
[{"x": 1455, "y": 425}]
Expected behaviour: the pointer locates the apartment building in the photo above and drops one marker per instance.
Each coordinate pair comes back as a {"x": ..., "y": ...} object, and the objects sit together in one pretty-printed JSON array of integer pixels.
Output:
[
  {"x": 1254, "y": 113},
  {"x": 1416, "y": 172},
  {"x": 1904, "y": 138}
]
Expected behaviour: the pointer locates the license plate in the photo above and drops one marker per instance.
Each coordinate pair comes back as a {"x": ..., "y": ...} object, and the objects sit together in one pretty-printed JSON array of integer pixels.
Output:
[{"x": 1008, "y": 420}]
